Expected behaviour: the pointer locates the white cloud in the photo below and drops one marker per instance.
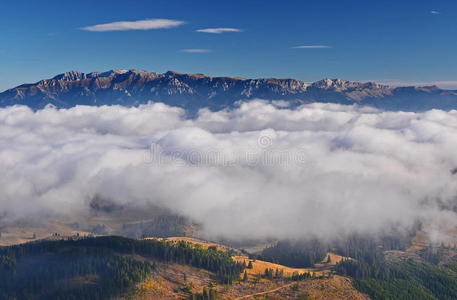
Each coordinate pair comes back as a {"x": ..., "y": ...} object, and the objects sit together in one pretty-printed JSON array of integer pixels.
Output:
[
  {"x": 254, "y": 171},
  {"x": 312, "y": 47},
  {"x": 218, "y": 30},
  {"x": 196, "y": 50},
  {"x": 435, "y": 12},
  {"x": 135, "y": 25}
]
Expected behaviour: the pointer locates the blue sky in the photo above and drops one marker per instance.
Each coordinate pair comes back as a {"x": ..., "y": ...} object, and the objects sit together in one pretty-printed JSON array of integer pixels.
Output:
[{"x": 387, "y": 41}]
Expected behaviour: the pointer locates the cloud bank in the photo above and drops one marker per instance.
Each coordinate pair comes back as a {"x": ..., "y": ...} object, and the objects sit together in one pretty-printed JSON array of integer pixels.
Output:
[
  {"x": 259, "y": 170},
  {"x": 135, "y": 25}
]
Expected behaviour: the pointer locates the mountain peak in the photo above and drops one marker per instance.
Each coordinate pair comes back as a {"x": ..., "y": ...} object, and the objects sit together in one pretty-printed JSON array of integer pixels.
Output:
[
  {"x": 77, "y": 75},
  {"x": 117, "y": 71},
  {"x": 70, "y": 76},
  {"x": 344, "y": 85},
  {"x": 172, "y": 73},
  {"x": 113, "y": 72},
  {"x": 334, "y": 83}
]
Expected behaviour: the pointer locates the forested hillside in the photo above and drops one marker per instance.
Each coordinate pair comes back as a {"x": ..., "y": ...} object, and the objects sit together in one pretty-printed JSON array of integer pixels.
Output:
[
  {"x": 405, "y": 279},
  {"x": 97, "y": 268}
]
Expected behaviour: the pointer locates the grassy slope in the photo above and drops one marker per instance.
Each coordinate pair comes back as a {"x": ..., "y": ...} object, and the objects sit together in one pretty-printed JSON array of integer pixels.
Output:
[{"x": 168, "y": 283}]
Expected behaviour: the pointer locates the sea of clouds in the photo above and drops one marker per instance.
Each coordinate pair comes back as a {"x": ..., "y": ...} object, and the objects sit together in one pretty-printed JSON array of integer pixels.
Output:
[{"x": 259, "y": 170}]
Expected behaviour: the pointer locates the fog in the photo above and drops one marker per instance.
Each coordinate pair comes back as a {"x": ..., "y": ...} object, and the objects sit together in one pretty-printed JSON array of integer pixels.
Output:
[{"x": 259, "y": 170}]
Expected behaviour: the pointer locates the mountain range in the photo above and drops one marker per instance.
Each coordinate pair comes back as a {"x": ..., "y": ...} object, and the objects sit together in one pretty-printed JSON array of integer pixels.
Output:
[{"x": 195, "y": 91}]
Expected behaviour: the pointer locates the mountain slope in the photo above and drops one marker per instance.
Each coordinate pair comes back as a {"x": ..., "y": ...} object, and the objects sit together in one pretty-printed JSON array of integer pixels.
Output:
[
  {"x": 194, "y": 91},
  {"x": 112, "y": 267}
]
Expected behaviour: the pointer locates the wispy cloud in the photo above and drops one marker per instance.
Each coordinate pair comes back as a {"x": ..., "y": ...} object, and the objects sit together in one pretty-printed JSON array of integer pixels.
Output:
[
  {"x": 312, "y": 47},
  {"x": 435, "y": 12},
  {"x": 219, "y": 30},
  {"x": 196, "y": 50},
  {"x": 135, "y": 25}
]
